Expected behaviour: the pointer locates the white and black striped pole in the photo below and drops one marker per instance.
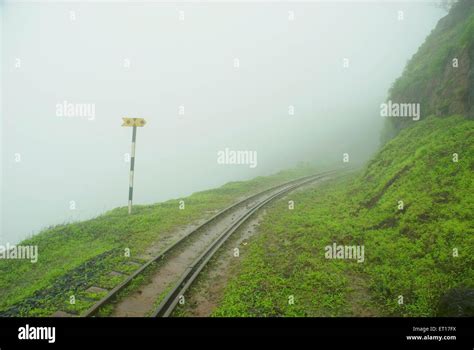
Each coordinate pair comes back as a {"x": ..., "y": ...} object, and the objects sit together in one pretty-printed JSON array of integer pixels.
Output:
[
  {"x": 132, "y": 167},
  {"x": 134, "y": 122}
]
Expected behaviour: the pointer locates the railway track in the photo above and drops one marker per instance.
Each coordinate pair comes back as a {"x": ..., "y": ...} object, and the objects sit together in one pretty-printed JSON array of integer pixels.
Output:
[{"x": 192, "y": 271}]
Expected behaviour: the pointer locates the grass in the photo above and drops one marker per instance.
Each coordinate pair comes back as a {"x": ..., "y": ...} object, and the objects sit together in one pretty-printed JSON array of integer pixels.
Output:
[
  {"x": 75, "y": 256},
  {"x": 408, "y": 252}
]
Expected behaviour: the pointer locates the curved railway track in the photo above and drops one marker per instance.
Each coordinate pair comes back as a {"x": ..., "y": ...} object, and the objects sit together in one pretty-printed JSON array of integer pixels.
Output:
[{"x": 171, "y": 299}]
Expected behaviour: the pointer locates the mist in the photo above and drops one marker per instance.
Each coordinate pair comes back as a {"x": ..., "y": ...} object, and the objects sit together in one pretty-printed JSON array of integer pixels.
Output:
[{"x": 294, "y": 82}]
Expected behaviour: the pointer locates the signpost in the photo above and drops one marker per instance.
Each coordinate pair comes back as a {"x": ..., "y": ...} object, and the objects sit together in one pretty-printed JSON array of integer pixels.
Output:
[{"x": 132, "y": 122}]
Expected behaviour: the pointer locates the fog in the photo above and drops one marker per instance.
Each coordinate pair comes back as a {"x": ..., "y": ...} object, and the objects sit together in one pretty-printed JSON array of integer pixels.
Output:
[{"x": 254, "y": 76}]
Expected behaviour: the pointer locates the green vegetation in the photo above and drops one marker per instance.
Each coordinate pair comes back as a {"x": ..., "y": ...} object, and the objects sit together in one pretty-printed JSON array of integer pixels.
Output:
[
  {"x": 408, "y": 252},
  {"x": 75, "y": 256}
]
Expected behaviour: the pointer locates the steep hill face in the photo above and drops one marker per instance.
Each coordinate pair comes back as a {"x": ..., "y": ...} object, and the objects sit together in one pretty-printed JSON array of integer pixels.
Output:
[{"x": 440, "y": 76}]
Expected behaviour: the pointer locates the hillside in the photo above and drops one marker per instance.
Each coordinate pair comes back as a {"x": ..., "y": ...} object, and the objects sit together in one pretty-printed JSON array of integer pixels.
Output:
[
  {"x": 423, "y": 252},
  {"x": 440, "y": 75}
]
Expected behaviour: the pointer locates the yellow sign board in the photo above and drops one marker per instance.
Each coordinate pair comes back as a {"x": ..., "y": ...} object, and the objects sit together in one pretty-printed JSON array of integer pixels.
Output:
[{"x": 133, "y": 122}]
